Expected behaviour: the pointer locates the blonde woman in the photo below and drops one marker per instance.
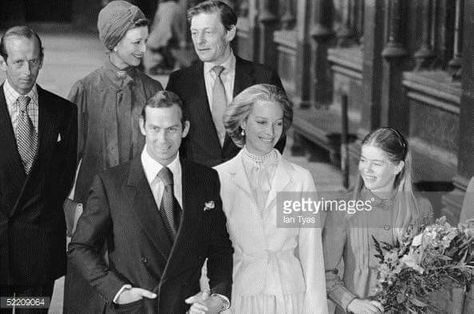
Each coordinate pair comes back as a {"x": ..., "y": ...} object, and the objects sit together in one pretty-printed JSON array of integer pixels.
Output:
[{"x": 276, "y": 270}]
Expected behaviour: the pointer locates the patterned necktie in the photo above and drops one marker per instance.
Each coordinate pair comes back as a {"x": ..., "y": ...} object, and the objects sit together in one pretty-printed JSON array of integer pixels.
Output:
[
  {"x": 26, "y": 136},
  {"x": 168, "y": 204},
  {"x": 219, "y": 103}
]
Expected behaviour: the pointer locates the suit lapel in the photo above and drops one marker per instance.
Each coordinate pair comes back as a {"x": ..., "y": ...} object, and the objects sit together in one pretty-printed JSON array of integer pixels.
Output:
[
  {"x": 235, "y": 168},
  {"x": 10, "y": 156},
  {"x": 145, "y": 208},
  {"x": 243, "y": 208},
  {"x": 243, "y": 76},
  {"x": 188, "y": 220},
  {"x": 200, "y": 93},
  {"x": 283, "y": 177},
  {"x": 47, "y": 124}
]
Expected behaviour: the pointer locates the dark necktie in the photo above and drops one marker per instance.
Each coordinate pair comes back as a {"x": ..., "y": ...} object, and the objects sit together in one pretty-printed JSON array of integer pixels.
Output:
[
  {"x": 26, "y": 136},
  {"x": 169, "y": 205},
  {"x": 219, "y": 103}
]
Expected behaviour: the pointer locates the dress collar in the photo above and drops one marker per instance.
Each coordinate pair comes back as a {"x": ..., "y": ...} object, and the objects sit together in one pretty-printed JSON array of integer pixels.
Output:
[
  {"x": 384, "y": 203},
  {"x": 119, "y": 77}
]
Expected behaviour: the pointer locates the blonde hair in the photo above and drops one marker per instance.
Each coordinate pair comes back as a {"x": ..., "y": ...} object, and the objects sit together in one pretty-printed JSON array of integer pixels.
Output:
[
  {"x": 242, "y": 105},
  {"x": 407, "y": 213}
]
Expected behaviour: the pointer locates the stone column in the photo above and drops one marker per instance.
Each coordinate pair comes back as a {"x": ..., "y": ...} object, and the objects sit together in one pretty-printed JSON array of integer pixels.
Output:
[
  {"x": 393, "y": 109},
  {"x": 372, "y": 70},
  {"x": 321, "y": 32},
  {"x": 465, "y": 170},
  {"x": 268, "y": 21}
]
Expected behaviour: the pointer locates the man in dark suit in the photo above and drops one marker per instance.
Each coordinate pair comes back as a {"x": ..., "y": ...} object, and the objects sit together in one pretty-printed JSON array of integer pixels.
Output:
[
  {"x": 38, "y": 145},
  {"x": 161, "y": 217},
  {"x": 209, "y": 85}
]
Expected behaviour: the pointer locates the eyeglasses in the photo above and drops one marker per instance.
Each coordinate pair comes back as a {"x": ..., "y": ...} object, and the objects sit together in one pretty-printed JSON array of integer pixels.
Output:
[{"x": 32, "y": 63}]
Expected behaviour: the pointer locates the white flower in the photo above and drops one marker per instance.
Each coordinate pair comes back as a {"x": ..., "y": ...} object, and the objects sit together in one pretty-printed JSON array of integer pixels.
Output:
[
  {"x": 413, "y": 260},
  {"x": 417, "y": 240}
]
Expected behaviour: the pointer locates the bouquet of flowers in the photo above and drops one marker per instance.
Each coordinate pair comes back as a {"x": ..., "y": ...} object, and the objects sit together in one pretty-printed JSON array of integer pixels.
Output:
[{"x": 438, "y": 257}]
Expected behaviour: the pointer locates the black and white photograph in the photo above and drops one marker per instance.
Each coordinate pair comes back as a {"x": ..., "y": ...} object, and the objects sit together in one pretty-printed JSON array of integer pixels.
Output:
[{"x": 236, "y": 156}]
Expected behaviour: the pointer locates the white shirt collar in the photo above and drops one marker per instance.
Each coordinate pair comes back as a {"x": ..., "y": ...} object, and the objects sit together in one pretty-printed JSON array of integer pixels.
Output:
[
  {"x": 13, "y": 94},
  {"x": 228, "y": 64},
  {"x": 152, "y": 167}
]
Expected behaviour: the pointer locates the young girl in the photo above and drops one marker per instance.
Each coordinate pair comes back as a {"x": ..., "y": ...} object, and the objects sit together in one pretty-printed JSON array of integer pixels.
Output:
[{"x": 385, "y": 183}]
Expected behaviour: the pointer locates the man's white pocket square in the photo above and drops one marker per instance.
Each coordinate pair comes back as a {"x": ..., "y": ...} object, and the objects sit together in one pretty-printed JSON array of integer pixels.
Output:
[
  {"x": 209, "y": 205},
  {"x": 59, "y": 138}
]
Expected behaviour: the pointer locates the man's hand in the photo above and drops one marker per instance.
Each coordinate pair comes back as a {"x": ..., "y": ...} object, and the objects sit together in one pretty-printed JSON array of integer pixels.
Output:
[
  {"x": 203, "y": 303},
  {"x": 134, "y": 294},
  {"x": 361, "y": 306}
]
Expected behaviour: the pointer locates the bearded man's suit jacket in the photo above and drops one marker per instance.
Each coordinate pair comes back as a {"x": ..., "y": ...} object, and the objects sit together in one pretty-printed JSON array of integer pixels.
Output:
[
  {"x": 202, "y": 142},
  {"x": 121, "y": 212},
  {"x": 32, "y": 223}
]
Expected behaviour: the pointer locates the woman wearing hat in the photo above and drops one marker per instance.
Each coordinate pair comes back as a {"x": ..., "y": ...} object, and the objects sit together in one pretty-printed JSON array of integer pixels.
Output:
[
  {"x": 109, "y": 102},
  {"x": 110, "y": 99}
]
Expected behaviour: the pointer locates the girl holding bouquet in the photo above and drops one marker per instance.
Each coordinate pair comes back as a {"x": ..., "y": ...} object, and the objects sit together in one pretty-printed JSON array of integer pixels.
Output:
[{"x": 391, "y": 209}]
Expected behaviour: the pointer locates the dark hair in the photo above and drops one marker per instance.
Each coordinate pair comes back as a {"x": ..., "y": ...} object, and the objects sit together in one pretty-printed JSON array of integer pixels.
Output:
[
  {"x": 242, "y": 105},
  {"x": 164, "y": 99},
  {"x": 228, "y": 16},
  {"x": 19, "y": 31}
]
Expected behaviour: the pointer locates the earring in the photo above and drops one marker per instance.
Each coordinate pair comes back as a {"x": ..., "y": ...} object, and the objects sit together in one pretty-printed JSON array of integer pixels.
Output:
[{"x": 242, "y": 132}]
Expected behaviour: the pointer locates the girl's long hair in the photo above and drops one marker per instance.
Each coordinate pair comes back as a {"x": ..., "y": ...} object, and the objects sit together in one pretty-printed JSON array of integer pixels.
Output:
[{"x": 406, "y": 212}]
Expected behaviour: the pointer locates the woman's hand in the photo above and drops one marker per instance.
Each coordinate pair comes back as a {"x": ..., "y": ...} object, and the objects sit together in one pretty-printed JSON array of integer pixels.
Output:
[{"x": 363, "y": 306}]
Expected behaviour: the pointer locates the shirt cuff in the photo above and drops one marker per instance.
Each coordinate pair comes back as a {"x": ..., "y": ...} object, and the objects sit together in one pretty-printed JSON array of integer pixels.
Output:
[
  {"x": 225, "y": 301},
  {"x": 124, "y": 287}
]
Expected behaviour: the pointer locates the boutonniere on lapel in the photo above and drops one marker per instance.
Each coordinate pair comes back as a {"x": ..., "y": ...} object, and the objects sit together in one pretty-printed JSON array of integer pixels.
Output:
[{"x": 208, "y": 206}]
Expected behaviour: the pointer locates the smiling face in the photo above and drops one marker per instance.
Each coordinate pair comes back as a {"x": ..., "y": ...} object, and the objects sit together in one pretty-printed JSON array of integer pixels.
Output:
[
  {"x": 131, "y": 48},
  {"x": 164, "y": 132},
  {"x": 23, "y": 63},
  {"x": 377, "y": 170},
  {"x": 263, "y": 127},
  {"x": 211, "y": 39}
]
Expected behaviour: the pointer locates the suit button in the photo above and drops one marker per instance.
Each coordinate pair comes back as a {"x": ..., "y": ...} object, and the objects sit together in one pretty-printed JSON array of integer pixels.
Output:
[
  {"x": 387, "y": 227},
  {"x": 144, "y": 260}
]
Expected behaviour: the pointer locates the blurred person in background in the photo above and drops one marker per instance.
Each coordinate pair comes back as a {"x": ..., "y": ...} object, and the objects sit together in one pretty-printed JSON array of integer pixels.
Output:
[{"x": 168, "y": 34}]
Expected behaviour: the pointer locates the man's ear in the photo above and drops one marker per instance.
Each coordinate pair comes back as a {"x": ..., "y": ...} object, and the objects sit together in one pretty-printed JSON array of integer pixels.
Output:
[
  {"x": 231, "y": 33},
  {"x": 141, "y": 121},
  {"x": 186, "y": 127}
]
